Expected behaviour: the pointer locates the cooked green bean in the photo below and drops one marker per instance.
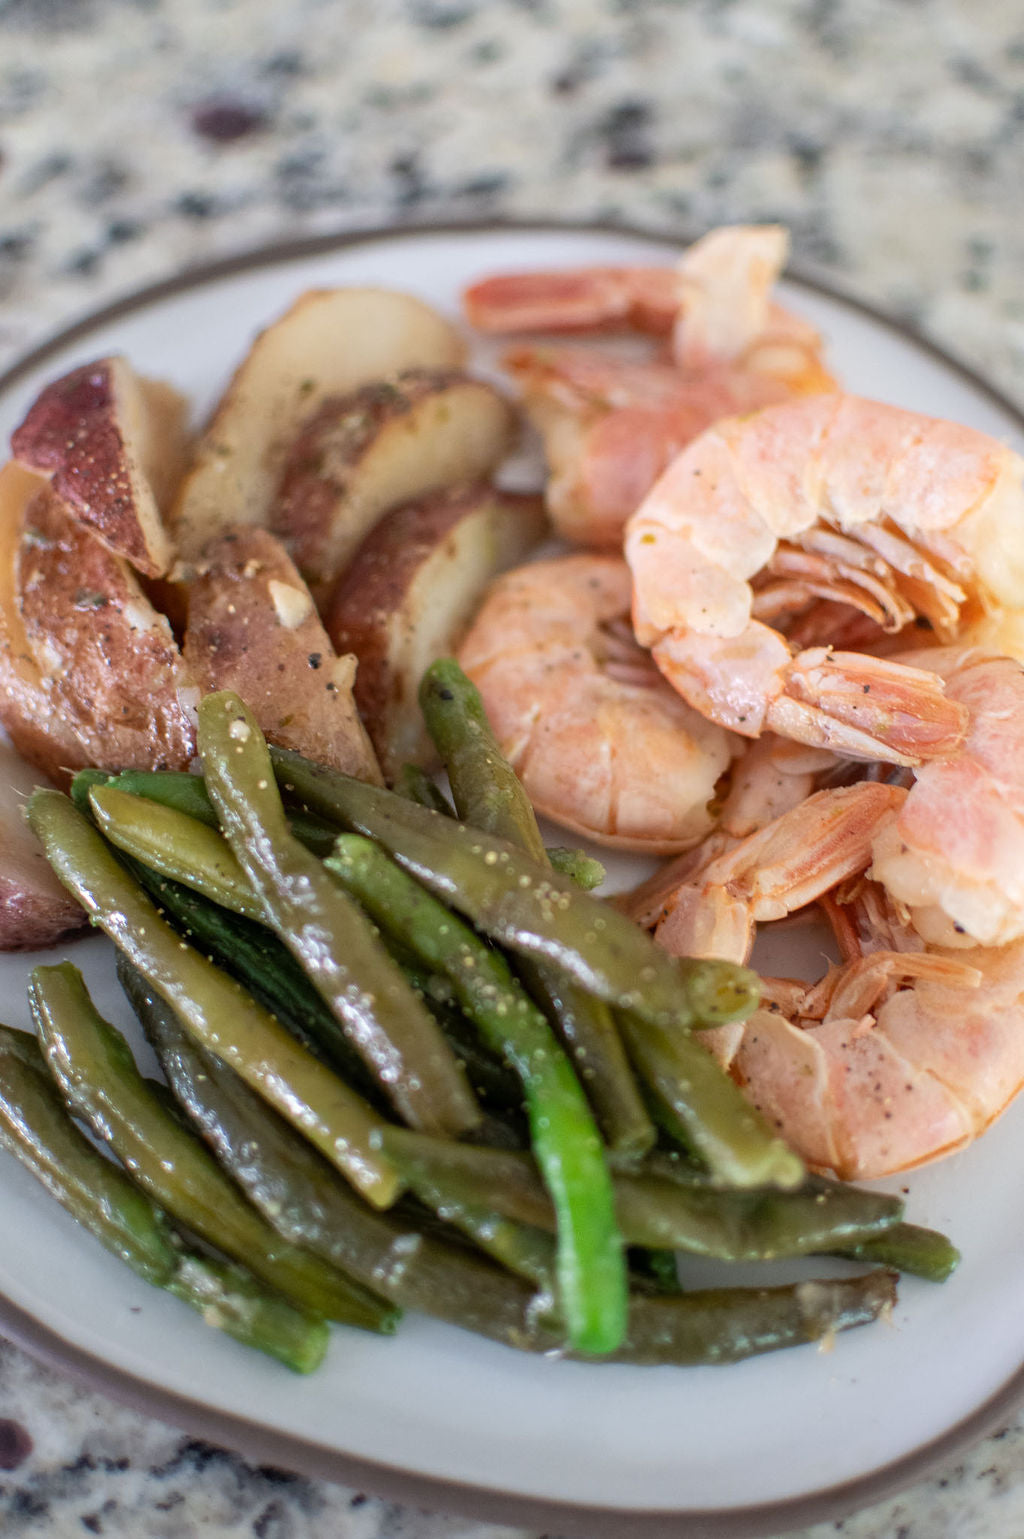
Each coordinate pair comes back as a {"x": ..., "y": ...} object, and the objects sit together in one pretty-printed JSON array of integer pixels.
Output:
[
  {"x": 176, "y": 845},
  {"x": 655, "y": 1211},
  {"x": 591, "y": 1269},
  {"x": 908, "y": 1248},
  {"x": 215, "y": 1008},
  {"x": 520, "y": 1248},
  {"x": 530, "y": 908},
  {"x": 36, "y": 1128},
  {"x": 583, "y": 870},
  {"x": 95, "y": 1070},
  {"x": 295, "y": 1188},
  {"x": 525, "y": 906},
  {"x": 723, "y": 1325},
  {"x": 264, "y": 967},
  {"x": 417, "y": 786},
  {"x": 186, "y": 793},
  {"x": 326, "y": 933}
]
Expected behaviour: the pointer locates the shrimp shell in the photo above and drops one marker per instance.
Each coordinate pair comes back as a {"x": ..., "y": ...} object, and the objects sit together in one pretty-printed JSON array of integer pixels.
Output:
[{"x": 604, "y": 747}]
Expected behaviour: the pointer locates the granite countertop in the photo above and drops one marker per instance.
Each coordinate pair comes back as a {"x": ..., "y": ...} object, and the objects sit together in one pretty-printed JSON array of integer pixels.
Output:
[{"x": 141, "y": 136}]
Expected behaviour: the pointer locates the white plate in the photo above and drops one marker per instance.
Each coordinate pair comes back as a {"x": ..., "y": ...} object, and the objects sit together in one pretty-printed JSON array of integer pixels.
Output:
[{"x": 439, "y": 1416}]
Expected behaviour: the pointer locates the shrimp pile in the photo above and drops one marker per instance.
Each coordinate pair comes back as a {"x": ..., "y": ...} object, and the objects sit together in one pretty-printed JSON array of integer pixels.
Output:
[
  {"x": 915, "y": 1043},
  {"x": 611, "y": 426},
  {"x": 839, "y": 583}
]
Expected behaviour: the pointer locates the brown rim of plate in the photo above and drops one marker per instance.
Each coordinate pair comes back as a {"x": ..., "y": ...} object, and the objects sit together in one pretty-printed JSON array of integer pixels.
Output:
[{"x": 265, "y": 1445}]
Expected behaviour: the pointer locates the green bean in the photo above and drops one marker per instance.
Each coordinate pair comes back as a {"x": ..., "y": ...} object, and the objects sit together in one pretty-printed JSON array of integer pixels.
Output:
[
  {"x": 583, "y": 870},
  {"x": 657, "y": 1212},
  {"x": 186, "y": 793},
  {"x": 170, "y": 847},
  {"x": 295, "y": 1187},
  {"x": 35, "y": 1127},
  {"x": 591, "y": 1270},
  {"x": 176, "y": 845},
  {"x": 417, "y": 786},
  {"x": 529, "y": 908},
  {"x": 908, "y": 1248},
  {"x": 722, "y": 1325},
  {"x": 215, "y": 1008},
  {"x": 489, "y": 795},
  {"x": 254, "y": 956},
  {"x": 95, "y": 1070},
  {"x": 295, "y": 1190},
  {"x": 520, "y": 1248},
  {"x": 326, "y": 933},
  {"x": 525, "y": 906},
  {"x": 698, "y": 1104}
]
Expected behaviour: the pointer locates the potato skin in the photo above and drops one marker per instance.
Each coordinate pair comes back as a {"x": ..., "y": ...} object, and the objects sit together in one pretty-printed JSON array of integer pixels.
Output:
[
  {"x": 109, "y": 664},
  {"x": 27, "y": 712},
  {"x": 35, "y": 910},
  {"x": 359, "y": 455},
  {"x": 328, "y": 343},
  {"x": 410, "y": 592},
  {"x": 114, "y": 445},
  {"x": 252, "y": 627}
]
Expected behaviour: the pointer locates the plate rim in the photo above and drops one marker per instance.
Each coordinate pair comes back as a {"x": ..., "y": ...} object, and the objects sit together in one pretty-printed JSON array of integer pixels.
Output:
[{"x": 262, "y": 1444}]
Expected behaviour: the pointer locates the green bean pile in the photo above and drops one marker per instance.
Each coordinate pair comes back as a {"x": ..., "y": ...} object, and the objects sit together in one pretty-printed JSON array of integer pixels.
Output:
[{"x": 410, "y": 1062}]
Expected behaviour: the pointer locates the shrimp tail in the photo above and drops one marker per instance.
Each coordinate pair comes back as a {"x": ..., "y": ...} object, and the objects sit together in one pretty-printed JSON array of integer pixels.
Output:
[{"x": 850, "y": 703}]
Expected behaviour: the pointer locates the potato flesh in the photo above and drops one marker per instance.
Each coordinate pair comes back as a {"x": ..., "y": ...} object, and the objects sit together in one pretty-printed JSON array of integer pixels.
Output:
[
  {"x": 252, "y": 628},
  {"x": 329, "y": 343},
  {"x": 363, "y": 454}
]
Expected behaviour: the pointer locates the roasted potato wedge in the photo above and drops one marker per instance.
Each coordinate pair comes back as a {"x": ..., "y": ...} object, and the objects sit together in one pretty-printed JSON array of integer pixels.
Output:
[
  {"x": 328, "y": 343},
  {"x": 114, "y": 445},
  {"x": 410, "y": 592},
  {"x": 35, "y": 910},
  {"x": 27, "y": 710},
  {"x": 252, "y": 628},
  {"x": 359, "y": 455},
  {"x": 111, "y": 670}
]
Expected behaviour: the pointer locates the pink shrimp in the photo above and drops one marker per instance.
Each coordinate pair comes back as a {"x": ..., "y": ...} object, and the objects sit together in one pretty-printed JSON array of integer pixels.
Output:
[
  {"x": 916, "y": 1043},
  {"x": 712, "y": 305},
  {"x": 604, "y": 747},
  {"x": 952, "y": 857},
  {"x": 884, "y": 510},
  {"x": 902, "y": 1054},
  {"x": 611, "y": 425}
]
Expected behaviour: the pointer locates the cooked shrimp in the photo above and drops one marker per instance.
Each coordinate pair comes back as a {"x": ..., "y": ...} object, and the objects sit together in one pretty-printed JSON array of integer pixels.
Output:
[
  {"x": 903, "y": 1053},
  {"x": 770, "y": 778},
  {"x": 890, "y": 512},
  {"x": 604, "y": 747},
  {"x": 903, "y": 1057},
  {"x": 953, "y": 854},
  {"x": 611, "y": 425},
  {"x": 713, "y": 304}
]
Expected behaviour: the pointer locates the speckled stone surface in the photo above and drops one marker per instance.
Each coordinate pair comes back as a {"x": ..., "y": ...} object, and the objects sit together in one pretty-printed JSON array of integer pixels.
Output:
[{"x": 141, "y": 136}]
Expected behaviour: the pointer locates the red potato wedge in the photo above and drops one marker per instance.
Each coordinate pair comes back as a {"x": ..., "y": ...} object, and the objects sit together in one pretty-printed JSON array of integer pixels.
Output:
[
  {"x": 114, "y": 445},
  {"x": 35, "y": 910},
  {"x": 410, "y": 592},
  {"x": 110, "y": 666},
  {"x": 362, "y": 454},
  {"x": 330, "y": 342},
  {"x": 252, "y": 628},
  {"x": 27, "y": 711}
]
